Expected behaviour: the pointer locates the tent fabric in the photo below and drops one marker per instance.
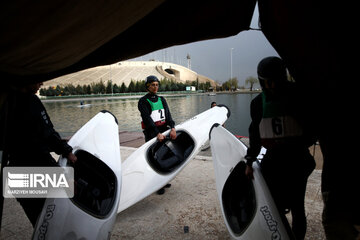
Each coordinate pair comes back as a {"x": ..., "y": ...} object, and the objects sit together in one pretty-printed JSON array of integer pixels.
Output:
[
  {"x": 45, "y": 36},
  {"x": 304, "y": 34},
  {"x": 47, "y": 39},
  {"x": 317, "y": 41}
]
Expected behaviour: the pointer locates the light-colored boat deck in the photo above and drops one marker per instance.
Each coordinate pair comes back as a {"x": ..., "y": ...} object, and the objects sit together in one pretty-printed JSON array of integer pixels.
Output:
[{"x": 191, "y": 203}]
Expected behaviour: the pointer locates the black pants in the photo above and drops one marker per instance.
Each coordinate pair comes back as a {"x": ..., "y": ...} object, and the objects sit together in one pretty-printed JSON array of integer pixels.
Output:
[
  {"x": 286, "y": 174},
  {"x": 32, "y": 206}
]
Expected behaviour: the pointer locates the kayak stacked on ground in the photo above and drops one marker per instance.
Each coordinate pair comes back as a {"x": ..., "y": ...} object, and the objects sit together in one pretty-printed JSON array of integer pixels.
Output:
[
  {"x": 247, "y": 206},
  {"x": 91, "y": 213},
  {"x": 154, "y": 164}
]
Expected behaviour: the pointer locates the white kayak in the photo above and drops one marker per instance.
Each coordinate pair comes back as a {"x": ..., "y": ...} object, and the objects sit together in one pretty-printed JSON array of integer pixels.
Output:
[
  {"x": 154, "y": 164},
  {"x": 91, "y": 213},
  {"x": 247, "y": 206}
]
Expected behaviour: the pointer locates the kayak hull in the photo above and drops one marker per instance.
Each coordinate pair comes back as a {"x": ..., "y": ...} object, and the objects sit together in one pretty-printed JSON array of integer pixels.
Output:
[
  {"x": 91, "y": 213},
  {"x": 247, "y": 206}
]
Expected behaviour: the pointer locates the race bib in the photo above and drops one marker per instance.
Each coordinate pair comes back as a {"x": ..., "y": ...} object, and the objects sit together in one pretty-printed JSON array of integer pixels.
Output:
[
  {"x": 279, "y": 127},
  {"x": 158, "y": 115}
]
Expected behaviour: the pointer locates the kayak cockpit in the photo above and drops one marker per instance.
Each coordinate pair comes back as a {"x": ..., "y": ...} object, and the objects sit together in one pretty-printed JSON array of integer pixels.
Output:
[
  {"x": 166, "y": 156},
  {"x": 238, "y": 198},
  {"x": 95, "y": 185}
]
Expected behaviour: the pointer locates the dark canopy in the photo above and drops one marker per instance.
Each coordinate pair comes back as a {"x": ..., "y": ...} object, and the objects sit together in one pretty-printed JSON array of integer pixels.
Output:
[{"x": 45, "y": 39}]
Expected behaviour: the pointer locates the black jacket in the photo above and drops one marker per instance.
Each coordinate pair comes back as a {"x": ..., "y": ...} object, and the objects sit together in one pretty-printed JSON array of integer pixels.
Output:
[
  {"x": 254, "y": 134},
  {"x": 33, "y": 136},
  {"x": 151, "y": 130},
  {"x": 256, "y": 112}
]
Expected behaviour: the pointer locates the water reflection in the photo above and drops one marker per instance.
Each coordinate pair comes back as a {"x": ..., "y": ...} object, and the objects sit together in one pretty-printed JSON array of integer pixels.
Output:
[{"x": 69, "y": 116}]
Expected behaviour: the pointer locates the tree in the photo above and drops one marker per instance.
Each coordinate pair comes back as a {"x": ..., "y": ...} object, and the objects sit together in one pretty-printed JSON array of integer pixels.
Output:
[
  {"x": 123, "y": 88},
  {"x": 102, "y": 87},
  {"x": 98, "y": 88},
  {"x": 234, "y": 83},
  {"x": 116, "y": 88},
  {"x": 94, "y": 88},
  {"x": 167, "y": 87},
  {"x": 87, "y": 89},
  {"x": 251, "y": 81},
  {"x": 109, "y": 87},
  {"x": 69, "y": 89},
  {"x": 58, "y": 90},
  {"x": 140, "y": 86},
  {"x": 79, "y": 90},
  {"x": 226, "y": 86},
  {"x": 174, "y": 87},
  {"x": 131, "y": 87},
  {"x": 207, "y": 86},
  {"x": 42, "y": 92},
  {"x": 231, "y": 84},
  {"x": 181, "y": 86},
  {"x": 143, "y": 87}
]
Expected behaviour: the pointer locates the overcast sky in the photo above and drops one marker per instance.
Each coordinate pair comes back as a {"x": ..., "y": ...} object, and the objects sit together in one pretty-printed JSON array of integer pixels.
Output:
[{"x": 212, "y": 58}]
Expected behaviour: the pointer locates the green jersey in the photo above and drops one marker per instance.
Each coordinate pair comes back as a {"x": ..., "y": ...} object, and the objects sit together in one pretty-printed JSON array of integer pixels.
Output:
[{"x": 157, "y": 112}]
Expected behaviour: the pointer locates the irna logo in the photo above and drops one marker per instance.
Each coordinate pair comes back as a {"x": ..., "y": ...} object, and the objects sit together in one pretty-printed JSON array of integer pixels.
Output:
[
  {"x": 34, "y": 180},
  {"x": 24, "y": 182}
]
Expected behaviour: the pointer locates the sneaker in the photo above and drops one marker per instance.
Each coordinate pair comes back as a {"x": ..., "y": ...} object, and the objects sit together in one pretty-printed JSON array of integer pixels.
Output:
[{"x": 161, "y": 191}]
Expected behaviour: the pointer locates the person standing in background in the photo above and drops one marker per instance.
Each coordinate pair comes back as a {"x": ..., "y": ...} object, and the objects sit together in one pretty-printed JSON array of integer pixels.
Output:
[
  {"x": 155, "y": 114},
  {"x": 277, "y": 126}
]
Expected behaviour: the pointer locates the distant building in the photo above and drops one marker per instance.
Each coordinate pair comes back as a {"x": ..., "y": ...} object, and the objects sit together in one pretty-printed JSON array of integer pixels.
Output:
[
  {"x": 124, "y": 72},
  {"x": 191, "y": 88}
]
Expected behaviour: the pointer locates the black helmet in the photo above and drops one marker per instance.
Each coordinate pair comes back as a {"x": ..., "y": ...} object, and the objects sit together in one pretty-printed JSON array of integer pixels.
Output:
[
  {"x": 272, "y": 69},
  {"x": 150, "y": 79}
]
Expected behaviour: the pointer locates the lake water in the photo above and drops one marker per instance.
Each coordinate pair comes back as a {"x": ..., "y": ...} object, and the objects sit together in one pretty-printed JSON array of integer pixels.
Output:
[{"x": 68, "y": 116}]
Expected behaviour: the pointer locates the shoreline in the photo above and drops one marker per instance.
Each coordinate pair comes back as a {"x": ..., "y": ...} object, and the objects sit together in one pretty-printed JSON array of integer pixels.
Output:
[{"x": 134, "y": 95}]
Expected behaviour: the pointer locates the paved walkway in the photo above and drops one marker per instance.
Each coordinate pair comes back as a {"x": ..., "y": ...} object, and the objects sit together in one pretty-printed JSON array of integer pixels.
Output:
[{"x": 191, "y": 203}]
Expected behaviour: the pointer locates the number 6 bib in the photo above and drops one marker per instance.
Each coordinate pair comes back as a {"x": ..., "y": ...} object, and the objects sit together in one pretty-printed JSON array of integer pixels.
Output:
[{"x": 277, "y": 125}]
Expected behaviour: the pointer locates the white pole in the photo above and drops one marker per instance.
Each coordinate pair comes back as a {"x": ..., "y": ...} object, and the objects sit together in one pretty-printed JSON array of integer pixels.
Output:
[{"x": 231, "y": 49}]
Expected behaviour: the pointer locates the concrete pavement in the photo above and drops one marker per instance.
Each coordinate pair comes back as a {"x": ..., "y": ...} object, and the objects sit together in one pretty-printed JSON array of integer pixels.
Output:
[{"x": 189, "y": 209}]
